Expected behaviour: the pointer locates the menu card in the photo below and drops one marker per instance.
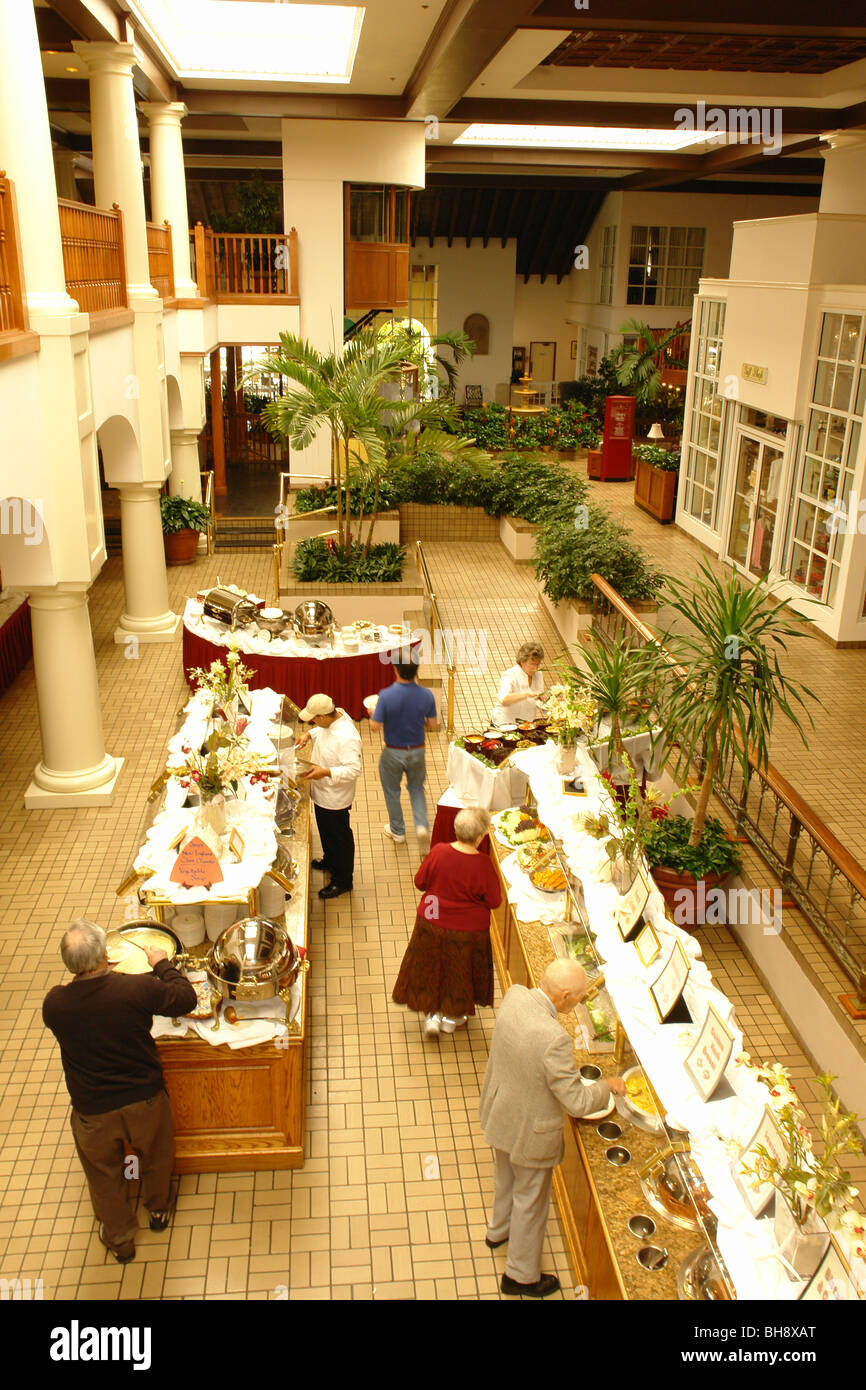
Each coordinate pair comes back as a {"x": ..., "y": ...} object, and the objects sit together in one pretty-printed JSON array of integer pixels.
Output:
[
  {"x": 629, "y": 915},
  {"x": 710, "y": 1055},
  {"x": 832, "y": 1279},
  {"x": 647, "y": 945},
  {"x": 756, "y": 1193},
  {"x": 666, "y": 991}
]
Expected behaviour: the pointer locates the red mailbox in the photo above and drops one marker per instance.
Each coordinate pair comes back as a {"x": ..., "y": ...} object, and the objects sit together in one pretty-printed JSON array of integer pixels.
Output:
[{"x": 616, "y": 460}]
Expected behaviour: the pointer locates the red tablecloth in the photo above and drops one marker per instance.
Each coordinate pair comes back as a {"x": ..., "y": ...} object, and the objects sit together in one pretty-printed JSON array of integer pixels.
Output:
[
  {"x": 347, "y": 679},
  {"x": 16, "y": 645},
  {"x": 443, "y": 828}
]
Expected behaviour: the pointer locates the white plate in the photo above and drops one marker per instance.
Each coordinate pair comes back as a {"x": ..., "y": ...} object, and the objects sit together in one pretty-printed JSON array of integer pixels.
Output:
[{"x": 600, "y": 1114}]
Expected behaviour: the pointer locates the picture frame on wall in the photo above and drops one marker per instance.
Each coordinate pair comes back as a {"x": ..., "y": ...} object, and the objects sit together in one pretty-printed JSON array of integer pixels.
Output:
[
  {"x": 573, "y": 350},
  {"x": 518, "y": 360}
]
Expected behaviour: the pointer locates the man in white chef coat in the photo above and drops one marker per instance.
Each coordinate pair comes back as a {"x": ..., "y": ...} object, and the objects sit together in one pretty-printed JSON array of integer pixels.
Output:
[{"x": 332, "y": 777}]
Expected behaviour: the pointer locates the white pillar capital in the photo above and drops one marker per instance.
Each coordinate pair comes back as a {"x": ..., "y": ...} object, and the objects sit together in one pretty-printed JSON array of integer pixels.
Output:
[
  {"x": 169, "y": 113},
  {"x": 116, "y": 58}
]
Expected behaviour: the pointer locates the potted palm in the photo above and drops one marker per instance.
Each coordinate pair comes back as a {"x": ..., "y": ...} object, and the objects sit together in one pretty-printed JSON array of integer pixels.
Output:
[
  {"x": 183, "y": 519},
  {"x": 720, "y": 708}
]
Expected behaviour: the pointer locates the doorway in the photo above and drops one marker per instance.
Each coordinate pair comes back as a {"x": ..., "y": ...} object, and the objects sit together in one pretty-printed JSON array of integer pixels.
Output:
[
  {"x": 756, "y": 500},
  {"x": 542, "y": 361}
]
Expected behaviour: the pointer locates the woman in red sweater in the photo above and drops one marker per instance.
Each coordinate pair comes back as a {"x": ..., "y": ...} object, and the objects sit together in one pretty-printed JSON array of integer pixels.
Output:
[{"x": 448, "y": 965}]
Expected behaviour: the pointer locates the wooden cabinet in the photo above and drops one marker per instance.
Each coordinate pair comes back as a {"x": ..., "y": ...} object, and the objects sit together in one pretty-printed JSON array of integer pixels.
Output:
[{"x": 376, "y": 233}]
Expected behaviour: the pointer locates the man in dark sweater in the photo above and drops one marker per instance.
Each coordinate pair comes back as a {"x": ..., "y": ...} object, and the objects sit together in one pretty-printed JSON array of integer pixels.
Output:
[{"x": 102, "y": 1022}]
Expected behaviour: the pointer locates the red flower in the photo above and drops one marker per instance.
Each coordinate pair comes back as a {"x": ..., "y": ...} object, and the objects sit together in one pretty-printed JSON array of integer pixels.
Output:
[
  {"x": 241, "y": 725},
  {"x": 659, "y": 812}
]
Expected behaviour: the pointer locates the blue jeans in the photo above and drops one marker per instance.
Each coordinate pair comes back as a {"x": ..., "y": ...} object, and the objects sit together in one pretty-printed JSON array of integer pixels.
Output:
[{"x": 392, "y": 764}]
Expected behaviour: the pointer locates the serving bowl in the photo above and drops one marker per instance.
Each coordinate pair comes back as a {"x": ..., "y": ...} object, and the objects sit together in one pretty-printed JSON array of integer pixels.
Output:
[{"x": 254, "y": 958}]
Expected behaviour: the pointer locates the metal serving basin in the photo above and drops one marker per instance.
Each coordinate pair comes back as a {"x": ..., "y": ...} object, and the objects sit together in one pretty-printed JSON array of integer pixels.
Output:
[
  {"x": 313, "y": 620},
  {"x": 254, "y": 958},
  {"x": 231, "y": 609}
]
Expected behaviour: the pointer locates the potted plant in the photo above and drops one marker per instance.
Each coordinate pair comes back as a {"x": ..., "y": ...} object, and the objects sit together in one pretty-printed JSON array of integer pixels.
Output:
[
  {"x": 655, "y": 482},
  {"x": 810, "y": 1190},
  {"x": 568, "y": 554},
  {"x": 182, "y": 521},
  {"x": 719, "y": 708},
  {"x": 637, "y": 367}
]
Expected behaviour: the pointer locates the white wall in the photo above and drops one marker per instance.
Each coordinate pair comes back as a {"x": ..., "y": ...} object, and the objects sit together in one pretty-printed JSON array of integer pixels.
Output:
[
  {"x": 476, "y": 280},
  {"x": 541, "y": 314}
]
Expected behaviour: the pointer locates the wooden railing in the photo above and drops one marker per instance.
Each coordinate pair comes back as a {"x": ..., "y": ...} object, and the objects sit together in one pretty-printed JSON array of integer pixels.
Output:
[
  {"x": 435, "y": 624},
  {"x": 159, "y": 259},
  {"x": 239, "y": 267},
  {"x": 93, "y": 257},
  {"x": 816, "y": 870},
  {"x": 13, "y": 311}
]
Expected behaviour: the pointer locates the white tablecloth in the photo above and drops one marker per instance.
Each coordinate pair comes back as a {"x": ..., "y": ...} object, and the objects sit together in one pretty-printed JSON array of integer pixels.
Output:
[
  {"x": 491, "y": 788},
  {"x": 256, "y": 640}
]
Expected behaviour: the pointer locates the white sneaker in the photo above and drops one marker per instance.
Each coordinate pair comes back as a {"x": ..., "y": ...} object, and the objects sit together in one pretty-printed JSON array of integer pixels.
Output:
[
  {"x": 449, "y": 1025},
  {"x": 422, "y": 834},
  {"x": 398, "y": 839},
  {"x": 431, "y": 1025}
]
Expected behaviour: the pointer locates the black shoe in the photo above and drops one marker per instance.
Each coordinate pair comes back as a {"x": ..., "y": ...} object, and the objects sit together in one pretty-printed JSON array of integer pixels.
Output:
[
  {"x": 159, "y": 1220},
  {"x": 122, "y": 1253},
  {"x": 334, "y": 890},
  {"x": 547, "y": 1284},
  {"x": 495, "y": 1244},
  {"x": 318, "y": 864}
]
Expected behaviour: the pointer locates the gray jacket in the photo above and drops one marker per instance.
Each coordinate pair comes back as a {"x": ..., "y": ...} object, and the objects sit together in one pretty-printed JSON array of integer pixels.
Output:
[{"x": 530, "y": 1079}]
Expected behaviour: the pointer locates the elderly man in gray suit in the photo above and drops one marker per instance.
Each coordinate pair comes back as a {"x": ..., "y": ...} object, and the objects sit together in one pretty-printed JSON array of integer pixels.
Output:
[{"x": 531, "y": 1078}]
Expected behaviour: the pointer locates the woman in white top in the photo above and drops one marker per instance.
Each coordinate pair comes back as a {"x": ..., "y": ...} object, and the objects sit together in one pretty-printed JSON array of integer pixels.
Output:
[{"x": 520, "y": 687}]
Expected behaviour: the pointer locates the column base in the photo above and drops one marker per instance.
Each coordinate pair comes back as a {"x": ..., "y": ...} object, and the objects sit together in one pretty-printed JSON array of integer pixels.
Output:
[
  {"x": 161, "y": 629},
  {"x": 41, "y": 798}
]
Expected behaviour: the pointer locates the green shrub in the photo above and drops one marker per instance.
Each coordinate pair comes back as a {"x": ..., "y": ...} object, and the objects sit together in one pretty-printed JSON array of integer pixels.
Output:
[
  {"x": 666, "y": 460},
  {"x": 568, "y": 554},
  {"x": 331, "y": 563},
  {"x": 560, "y": 427},
  {"x": 667, "y": 845},
  {"x": 183, "y": 514}
]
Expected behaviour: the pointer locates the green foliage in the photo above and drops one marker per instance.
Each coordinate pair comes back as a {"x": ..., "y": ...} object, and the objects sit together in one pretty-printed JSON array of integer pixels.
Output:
[
  {"x": 568, "y": 555},
  {"x": 259, "y": 208},
  {"x": 332, "y": 563},
  {"x": 636, "y": 366},
  {"x": 183, "y": 514},
  {"x": 561, "y": 427},
  {"x": 667, "y": 461},
  {"x": 667, "y": 843}
]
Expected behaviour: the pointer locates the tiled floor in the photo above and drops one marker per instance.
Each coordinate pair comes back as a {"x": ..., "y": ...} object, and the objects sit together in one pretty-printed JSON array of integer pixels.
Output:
[{"x": 391, "y": 1201}]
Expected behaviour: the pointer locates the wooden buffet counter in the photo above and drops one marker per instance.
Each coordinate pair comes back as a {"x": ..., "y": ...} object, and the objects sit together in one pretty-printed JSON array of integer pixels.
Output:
[
  {"x": 241, "y": 1110},
  {"x": 595, "y": 1200}
]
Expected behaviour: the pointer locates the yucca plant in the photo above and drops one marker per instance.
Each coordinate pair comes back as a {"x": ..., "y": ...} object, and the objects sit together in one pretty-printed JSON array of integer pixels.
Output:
[
  {"x": 735, "y": 686},
  {"x": 619, "y": 679},
  {"x": 636, "y": 366}
]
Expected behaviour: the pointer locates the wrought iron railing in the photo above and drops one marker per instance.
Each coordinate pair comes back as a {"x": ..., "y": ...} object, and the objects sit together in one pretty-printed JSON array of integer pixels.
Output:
[{"x": 816, "y": 871}]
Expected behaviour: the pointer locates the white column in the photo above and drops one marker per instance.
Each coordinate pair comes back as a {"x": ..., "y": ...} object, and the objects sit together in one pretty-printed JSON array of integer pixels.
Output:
[
  {"x": 168, "y": 187},
  {"x": 116, "y": 151},
  {"x": 148, "y": 617},
  {"x": 185, "y": 477},
  {"x": 75, "y": 769},
  {"x": 25, "y": 140}
]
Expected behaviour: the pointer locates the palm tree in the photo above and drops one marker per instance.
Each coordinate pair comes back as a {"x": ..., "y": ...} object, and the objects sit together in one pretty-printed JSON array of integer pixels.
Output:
[
  {"x": 617, "y": 678},
  {"x": 734, "y": 687},
  {"x": 637, "y": 366}
]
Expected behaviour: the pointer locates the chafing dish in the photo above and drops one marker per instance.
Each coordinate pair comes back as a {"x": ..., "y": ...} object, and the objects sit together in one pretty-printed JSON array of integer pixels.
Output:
[
  {"x": 273, "y": 620},
  {"x": 235, "y": 610},
  {"x": 314, "y": 621},
  {"x": 254, "y": 958},
  {"x": 699, "y": 1277}
]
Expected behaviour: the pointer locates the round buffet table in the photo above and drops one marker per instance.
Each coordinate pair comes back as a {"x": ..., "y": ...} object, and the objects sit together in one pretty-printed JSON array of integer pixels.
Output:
[
  {"x": 16, "y": 641},
  {"x": 348, "y": 679}
]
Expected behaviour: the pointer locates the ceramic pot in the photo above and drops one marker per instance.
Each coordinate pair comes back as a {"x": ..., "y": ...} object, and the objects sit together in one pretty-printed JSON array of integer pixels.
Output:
[
  {"x": 685, "y": 896},
  {"x": 181, "y": 547}
]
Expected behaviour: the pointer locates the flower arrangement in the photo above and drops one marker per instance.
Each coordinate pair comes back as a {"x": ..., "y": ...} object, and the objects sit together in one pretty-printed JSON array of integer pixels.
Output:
[
  {"x": 807, "y": 1182},
  {"x": 573, "y": 710},
  {"x": 224, "y": 681},
  {"x": 222, "y": 767}
]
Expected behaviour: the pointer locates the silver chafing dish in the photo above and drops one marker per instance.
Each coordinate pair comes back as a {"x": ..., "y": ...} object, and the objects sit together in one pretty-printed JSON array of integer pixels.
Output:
[
  {"x": 314, "y": 621},
  {"x": 254, "y": 958},
  {"x": 235, "y": 610}
]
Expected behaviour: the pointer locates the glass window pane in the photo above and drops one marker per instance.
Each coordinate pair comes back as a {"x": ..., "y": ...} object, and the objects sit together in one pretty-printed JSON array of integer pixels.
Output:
[
  {"x": 817, "y": 432},
  {"x": 860, "y": 405},
  {"x": 835, "y": 438},
  {"x": 830, "y": 331},
  {"x": 799, "y": 561},
  {"x": 823, "y": 384},
  {"x": 811, "y": 476},
  {"x": 853, "y": 446},
  {"x": 849, "y": 339},
  {"x": 842, "y": 388},
  {"x": 401, "y": 215},
  {"x": 368, "y": 214}
]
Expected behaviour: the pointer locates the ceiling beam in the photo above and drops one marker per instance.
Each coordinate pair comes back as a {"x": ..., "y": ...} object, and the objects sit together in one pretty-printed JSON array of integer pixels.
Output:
[
  {"x": 741, "y": 156},
  {"x": 302, "y": 105},
  {"x": 475, "y": 206},
  {"x": 506, "y": 230},
  {"x": 537, "y": 254},
  {"x": 483, "y": 156},
  {"x": 468, "y": 36},
  {"x": 434, "y": 216},
  {"x": 491, "y": 215},
  {"x": 453, "y": 222},
  {"x": 636, "y": 115},
  {"x": 96, "y": 20},
  {"x": 522, "y": 252},
  {"x": 837, "y": 19}
]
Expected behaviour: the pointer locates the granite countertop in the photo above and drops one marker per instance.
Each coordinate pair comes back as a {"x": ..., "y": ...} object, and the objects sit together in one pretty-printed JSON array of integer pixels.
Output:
[{"x": 618, "y": 1189}]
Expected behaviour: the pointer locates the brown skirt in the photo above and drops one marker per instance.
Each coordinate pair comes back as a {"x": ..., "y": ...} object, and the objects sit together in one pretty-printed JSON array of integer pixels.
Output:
[{"x": 445, "y": 971}]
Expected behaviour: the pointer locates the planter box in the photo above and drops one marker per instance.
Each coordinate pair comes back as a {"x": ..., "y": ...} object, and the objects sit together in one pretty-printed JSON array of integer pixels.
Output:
[
  {"x": 593, "y": 463},
  {"x": 301, "y": 526},
  {"x": 655, "y": 491},
  {"x": 437, "y": 521},
  {"x": 386, "y": 604},
  {"x": 518, "y": 537}
]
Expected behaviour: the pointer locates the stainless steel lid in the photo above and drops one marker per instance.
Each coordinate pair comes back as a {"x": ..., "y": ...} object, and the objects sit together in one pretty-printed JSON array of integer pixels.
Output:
[{"x": 313, "y": 618}]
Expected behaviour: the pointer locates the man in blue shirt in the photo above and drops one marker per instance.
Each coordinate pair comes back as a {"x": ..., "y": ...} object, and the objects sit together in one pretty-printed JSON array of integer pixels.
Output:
[{"x": 404, "y": 711}]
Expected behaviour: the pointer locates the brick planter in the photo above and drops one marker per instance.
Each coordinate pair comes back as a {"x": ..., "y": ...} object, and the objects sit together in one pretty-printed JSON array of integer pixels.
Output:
[{"x": 437, "y": 521}]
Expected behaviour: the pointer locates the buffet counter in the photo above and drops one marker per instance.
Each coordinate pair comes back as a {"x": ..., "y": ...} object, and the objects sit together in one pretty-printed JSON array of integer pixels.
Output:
[
  {"x": 237, "y": 1109},
  {"x": 594, "y": 1198}
]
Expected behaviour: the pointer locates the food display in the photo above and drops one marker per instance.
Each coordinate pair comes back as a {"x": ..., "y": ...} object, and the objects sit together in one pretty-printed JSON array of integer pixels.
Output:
[
  {"x": 127, "y": 947},
  {"x": 519, "y": 827},
  {"x": 532, "y": 856},
  {"x": 578, "y": 947},
  {"x": 550, "y": 879},
  {"x": 640, "y": 1093}
]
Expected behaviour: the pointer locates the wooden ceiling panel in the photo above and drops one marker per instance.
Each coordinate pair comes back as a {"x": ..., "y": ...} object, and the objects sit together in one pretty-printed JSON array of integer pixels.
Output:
[{"x": 709, "y": 52}]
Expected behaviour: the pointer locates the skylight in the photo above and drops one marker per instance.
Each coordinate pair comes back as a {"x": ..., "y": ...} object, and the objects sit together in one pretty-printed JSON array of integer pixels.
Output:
[
  {"x": 577, "y": 137},
  {"x": 253, "y": 40}
]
